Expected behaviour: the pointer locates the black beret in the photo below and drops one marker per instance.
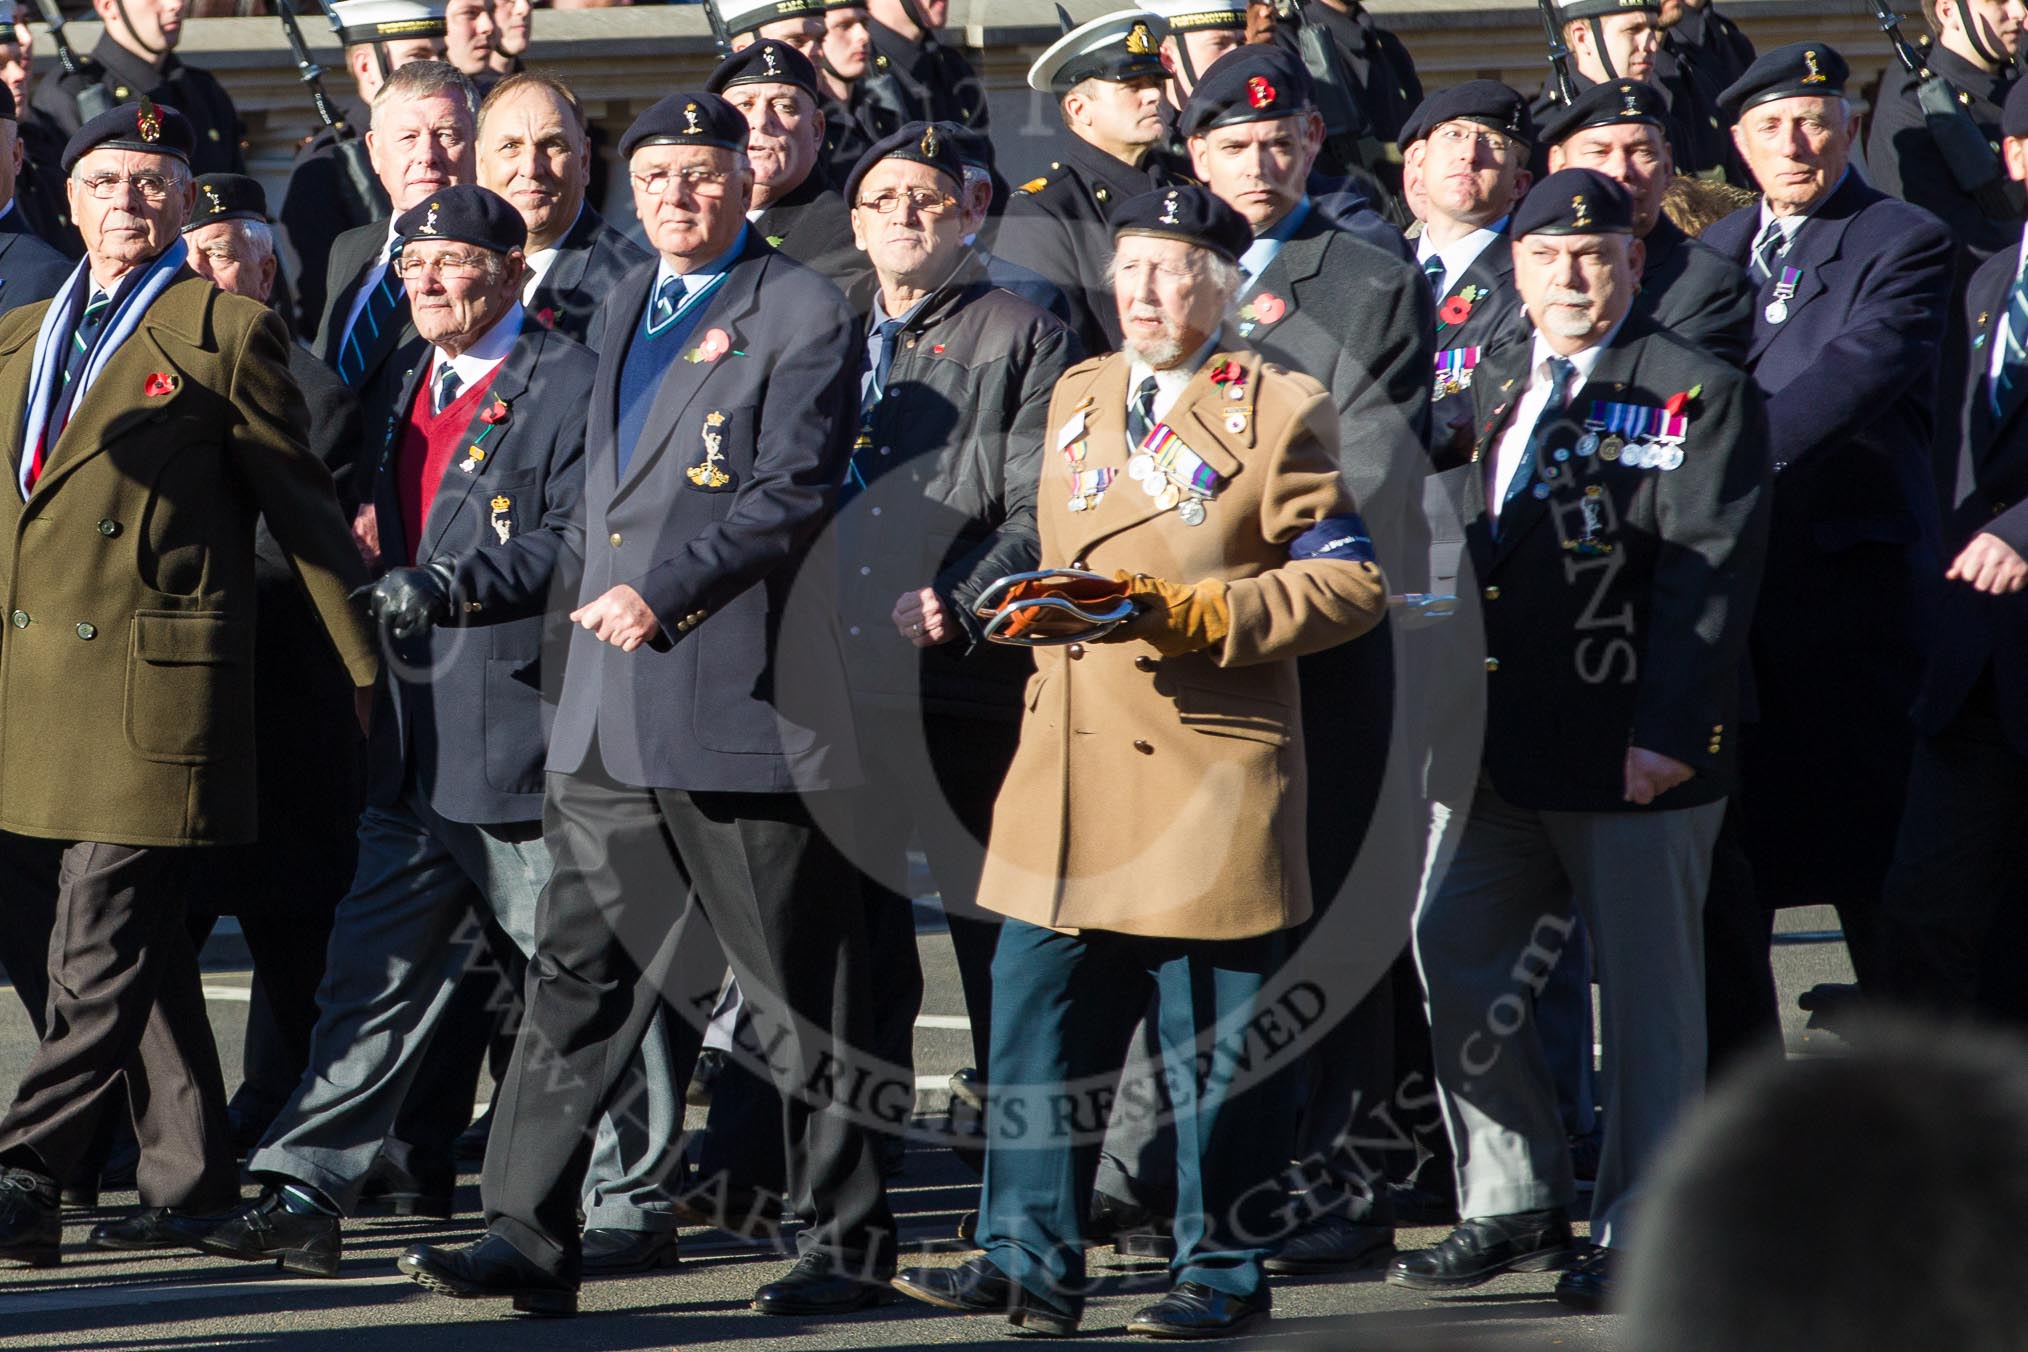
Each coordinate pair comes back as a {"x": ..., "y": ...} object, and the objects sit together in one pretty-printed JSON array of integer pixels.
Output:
[
  {"x": 975, "y": 148},
  {"x": 766, "y": 62},
  {"x": 1799, "y": 70},
  {"x": 2014, "y": 117},
  {"x": 6, "y": 104},
  {"x": 152, "y": 128},
  {"x": 918, "y": 143},
  {"x": 687, "y": 119},
  {"x": 1599, "y": 9},
  {"x": 1619, "y": 103},
  {"x": 1257, "y": 83},
  {"x": 466, "y": 213},
  {"x": 1486, "y": 102},
  {"x": 1574, "y": 202},
  {"x": 227, "y": 197},
  {"x": 1192, "y": 214}
]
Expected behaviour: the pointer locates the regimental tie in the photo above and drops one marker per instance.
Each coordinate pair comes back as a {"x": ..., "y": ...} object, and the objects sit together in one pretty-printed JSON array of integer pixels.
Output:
[
  {"x": 1770, "y": 243},
  {"x": 2012, "y": 382},
  {"x": 668, "y": 297},
  {"x": 365, "y": 333},
  {"x": 1141, "y": 413},
  {"x": 1562, "y": 374},
  {"x": 448, "y": 383},
  {"x": 872, "y": 387},
  {"x": 83, "y": 339},
  {"x": 1433, "y": 268}
]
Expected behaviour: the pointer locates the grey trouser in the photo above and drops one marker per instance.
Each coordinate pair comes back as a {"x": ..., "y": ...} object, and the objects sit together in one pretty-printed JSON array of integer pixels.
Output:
[
  {"x": 401, "y": 940},
  {"x": 1490, "y": 928}
]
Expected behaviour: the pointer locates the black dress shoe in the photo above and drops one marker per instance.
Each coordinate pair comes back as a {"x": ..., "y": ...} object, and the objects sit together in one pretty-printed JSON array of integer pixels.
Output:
[
  {"x": 818, "y": 1285},
  {"x": 1194, "y": 1310},
  {"x": 976, "y": 1286},
  {"x": 31, "y": 1220},
  {"x": 390, "y": 1189},
  {"x": 83, "y": 1196},
  {"x": 490, "y": 1269},
  {"x": 304, "y": 1242},
  {"x": 1587, "y": 1286},
  {"x": 1134, "y": 1231},
  {"x": 1482, "y": 1248},
  {"x": 1332, "y": 1243},
  {"x": 148, "y": 1228},
  {"x": 608, "y": 1251}
]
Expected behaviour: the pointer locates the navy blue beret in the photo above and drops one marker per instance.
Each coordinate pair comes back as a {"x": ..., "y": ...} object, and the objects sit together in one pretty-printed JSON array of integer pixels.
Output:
[
  {"x": 687, "y": 118},
  {"x": 227, "y": 197},
  {"x": 919, "y": 143},
  {"x": 1619, "y": 103},
  {"x": 1486, "y": 102},
  {"x": 1574, "y": 202},
  {"x": 1257, "y": 83},
  {"x": 468, "y": 214},
  {"x": 1799, "y": 70},
  {"x": 2014, "y": 117},
  {"x": 152, "y": 128},
  {"x": 1192, "y": 214},
  {"x": 766, "y": 62}
]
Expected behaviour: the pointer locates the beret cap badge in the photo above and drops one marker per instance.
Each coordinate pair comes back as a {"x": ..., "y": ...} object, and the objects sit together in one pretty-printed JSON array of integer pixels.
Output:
[
  {"x": 217, "y": 202},
  {"x": 1816, "y": 75},
  {"x": 929, "y": 142},
  {"x": 1169, "y": 210},
  {"x": 773, "y": 62},
  {"x": 429, "y": 225},
  {"x": 1259, "y": 92},
  {"x": 1581, "y": 210},
  {"x": 690, "y": 118},
  {"x": 147, "y": 122}
]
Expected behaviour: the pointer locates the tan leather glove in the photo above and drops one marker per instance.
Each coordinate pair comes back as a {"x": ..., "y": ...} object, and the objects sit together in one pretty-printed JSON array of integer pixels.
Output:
[{"x": 1175, "y": 618}]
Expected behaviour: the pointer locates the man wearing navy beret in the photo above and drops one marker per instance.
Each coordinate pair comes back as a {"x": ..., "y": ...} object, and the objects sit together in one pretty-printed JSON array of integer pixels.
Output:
[
  {"x": 1852, "y": 292},
  {"x": 701, "y": 732},
  {"x": 1616, "y": 503}
]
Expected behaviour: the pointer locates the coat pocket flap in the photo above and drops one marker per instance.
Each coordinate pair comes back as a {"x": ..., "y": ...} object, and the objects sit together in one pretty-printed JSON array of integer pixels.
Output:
[
  {"x": 1225, "y": 714},
  {"x": 187, "y": 638}
]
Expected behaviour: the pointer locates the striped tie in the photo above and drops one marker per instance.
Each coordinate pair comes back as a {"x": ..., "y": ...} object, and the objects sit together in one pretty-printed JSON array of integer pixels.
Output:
[
  {"x": 83, "y": 339},
  {"x": 1433, "y": 268},
  {"x": 1562, "y": 375},
  {"x": 1771, "y": 242},
  {"x": 448, "y": 382},
  {"x": 365, "y": 333},
  {"x": 2013, "y": 379},
  {"x": 1141, "y": 413}
]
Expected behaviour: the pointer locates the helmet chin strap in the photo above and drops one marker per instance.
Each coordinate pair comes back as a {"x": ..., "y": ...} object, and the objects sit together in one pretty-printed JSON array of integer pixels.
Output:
[
  {"x": 1598, "y": 42},
  {"x": 916, "y": 17},
  {"x": 134, "y": 33},
  {"x": 379, "y": 59},
  {"x": 1972, "y": 25}
]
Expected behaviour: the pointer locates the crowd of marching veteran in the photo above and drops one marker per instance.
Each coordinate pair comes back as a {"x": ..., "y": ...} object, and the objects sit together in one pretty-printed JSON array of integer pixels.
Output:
[{"x": 1322, "y": 578}]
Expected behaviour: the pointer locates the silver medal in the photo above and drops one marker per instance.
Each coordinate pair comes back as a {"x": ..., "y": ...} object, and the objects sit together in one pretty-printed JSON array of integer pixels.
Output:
[
  {"x": 1587, "y": 445},
  {"x": 1191, "y": 511},
  {"x": 1778, "y": 312},
  {"x": 1140, "y": 466}
]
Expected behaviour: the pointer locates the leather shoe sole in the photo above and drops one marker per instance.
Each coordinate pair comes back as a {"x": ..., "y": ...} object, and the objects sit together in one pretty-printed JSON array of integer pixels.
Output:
[
  {"x": 303, "y": 1262},
  {"x": 864, "y": 1296},
  {"x": 1350, "y": 1259},
  {"x": 542, "y": 1304},
  {"x": 1027, "y": 1319},
  {"x": 1155, "y": 1328},
  {"x": 1545, "y": 1260}
]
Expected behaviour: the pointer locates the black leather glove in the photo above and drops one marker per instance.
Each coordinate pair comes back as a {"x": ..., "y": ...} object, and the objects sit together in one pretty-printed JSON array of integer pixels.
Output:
[{"x": 409, "y": 602}]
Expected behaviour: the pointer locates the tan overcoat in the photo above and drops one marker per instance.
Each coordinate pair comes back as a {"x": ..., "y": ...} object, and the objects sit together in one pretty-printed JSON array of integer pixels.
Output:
[
  {"x": 126, "y": 635},
  {"x": 1164, "y": 796}
]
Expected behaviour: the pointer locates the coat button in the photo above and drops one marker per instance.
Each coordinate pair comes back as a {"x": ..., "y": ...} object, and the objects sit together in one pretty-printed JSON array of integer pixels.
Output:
[
  {"x": 109, "y": 528},
  {"x": 1143, "y": 747},
  {"x": 1145, "y": 664},
  {"x": 1492, "y": 664},
  {"x": 616, "y": 539},
  {"x": 20, "y": 619},
  {"x": 1492, "y": 593},
  {"x": 1075, "y": 652},
  {"x": 87, "y": 631}
]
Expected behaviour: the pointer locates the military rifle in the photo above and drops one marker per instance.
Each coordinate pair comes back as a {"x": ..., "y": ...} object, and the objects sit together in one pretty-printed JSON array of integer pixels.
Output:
[
  {"x": 719, "y": 33},
  {"x": 1963, "y": 146},
  {"x": 1348, "y": 138},
  {"x": 1559, "y": 54},
  {"x": 359, "y": 180},
  {"x": 93, "y": 97}
]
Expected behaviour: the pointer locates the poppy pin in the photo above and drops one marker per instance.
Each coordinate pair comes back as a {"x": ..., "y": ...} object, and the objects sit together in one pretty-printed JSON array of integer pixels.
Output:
[{"x": 159, "y": 384}]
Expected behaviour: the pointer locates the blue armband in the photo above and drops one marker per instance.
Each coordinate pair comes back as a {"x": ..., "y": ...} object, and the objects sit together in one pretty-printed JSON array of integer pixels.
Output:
[{"x": 1335, "y": 537}]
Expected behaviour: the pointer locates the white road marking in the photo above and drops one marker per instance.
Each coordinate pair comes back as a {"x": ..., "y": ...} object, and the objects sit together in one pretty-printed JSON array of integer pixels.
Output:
[{"x": 232, "y": 995}]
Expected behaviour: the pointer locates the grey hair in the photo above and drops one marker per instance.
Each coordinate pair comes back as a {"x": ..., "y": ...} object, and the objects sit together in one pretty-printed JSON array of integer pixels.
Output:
[
  {"x": 1225, "y": 275},
  {"x": 427, "y": 79},
  {"x": 259, "y": 238}
]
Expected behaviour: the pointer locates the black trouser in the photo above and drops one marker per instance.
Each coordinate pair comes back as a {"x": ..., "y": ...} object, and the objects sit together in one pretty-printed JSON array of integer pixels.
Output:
[
  {"x": 1742, "y": 1013},
  {"x": 124, "y": 997},
  {"x": 780, "y": 898},
  {"x": 1955, "y": 895},
  {"x": 29, "y": 867}
]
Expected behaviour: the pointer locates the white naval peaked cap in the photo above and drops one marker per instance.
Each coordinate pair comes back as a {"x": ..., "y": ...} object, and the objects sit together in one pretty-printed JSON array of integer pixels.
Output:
[
  {"x": 387, "y": 20},
  {"x": 1120, "y": 46},
  {"x": 744, "y": 16}
]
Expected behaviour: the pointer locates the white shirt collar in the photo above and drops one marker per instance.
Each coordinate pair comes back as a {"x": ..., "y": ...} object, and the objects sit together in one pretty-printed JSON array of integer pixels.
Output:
[
  {"x": 1459, "y": 255},
  {"x": 1171, "y": 383},
  {"x": 697, "y": 277},
  {"x": 476, "y": 363},
  {"x": 542, "y": 260},
  {"x": 6, "y": 207},
  {"x": 1584, "y": 361},
  {"x": 1791, "y": 224}
]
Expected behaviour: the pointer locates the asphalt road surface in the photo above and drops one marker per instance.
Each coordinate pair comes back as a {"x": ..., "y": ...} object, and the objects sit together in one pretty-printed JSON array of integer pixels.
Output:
[{"x": 107, "y": 1301}]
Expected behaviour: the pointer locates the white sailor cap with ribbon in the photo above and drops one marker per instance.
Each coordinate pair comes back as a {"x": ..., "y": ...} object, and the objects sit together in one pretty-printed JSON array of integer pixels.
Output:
[
  {"x": 387, "y": 20},
  {"x": 1195, "y": 16},
  {"x": 747, "y": 16}
]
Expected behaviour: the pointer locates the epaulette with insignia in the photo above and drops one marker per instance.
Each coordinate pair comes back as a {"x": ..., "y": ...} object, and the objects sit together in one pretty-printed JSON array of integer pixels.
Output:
[{"x": 1033, "y": 185}]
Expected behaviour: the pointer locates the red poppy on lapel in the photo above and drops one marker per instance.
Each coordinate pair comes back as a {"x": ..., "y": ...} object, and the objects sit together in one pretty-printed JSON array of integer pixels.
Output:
[
  {"x": 1681, "y": 400},
  {"x": 494, "y": 415},
  {"x": 159, "y": 384},
  {"x": 1269, "y": 309},
  {"x": 715, "y": 345},
  {"x": 1456, "y": 311},
  {"x": 546, "y": 317}
]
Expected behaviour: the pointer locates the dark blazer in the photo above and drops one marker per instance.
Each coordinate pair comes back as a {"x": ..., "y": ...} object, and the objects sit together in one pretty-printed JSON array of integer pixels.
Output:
[
  {"x": 1697, "y": 293},
  {"x": 461, "y": 712},
  {"x": 317, "y": 207},
  {"x": 1058, "y": 225},
  {"x": 1026, "y": 283},
  {"x": 1617, "y": 617},
  {"x": 920, "y": 81},
  {"x": 813, "y": 226},
  {"x": 590, "y": 261},
  {"x": 195, "y": 93},
  {"x": 955, "y": 452},
  {"x": 1976, "y": 634},
  {"x": 29, "y": 269},
  {"x": 356, "y": 257},
  {"x": 754, "y": 700},
  {"x": 1479, "y": 310}
]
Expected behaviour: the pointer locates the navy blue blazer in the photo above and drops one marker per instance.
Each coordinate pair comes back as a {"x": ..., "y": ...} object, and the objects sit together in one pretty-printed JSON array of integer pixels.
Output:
[
  {"x": 1976, "y": 633},
  {"x": 716, "y": 523},
  {"x": 29, "y": 269},
  {"x": 590, "y": 260},
  {"x": 462, "y": 710}
]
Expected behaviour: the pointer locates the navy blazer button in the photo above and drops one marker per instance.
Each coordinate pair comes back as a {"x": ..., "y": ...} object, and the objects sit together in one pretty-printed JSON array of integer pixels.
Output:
[
  {"x": 1145, "y": 664},
  {"x": 1492, "y": 593},
  {"x": 1492, "y": 664},
  {"x": 616, "y": 539}
]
